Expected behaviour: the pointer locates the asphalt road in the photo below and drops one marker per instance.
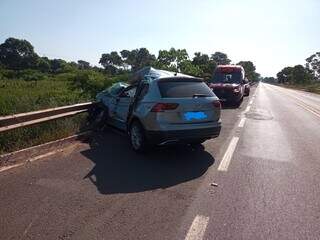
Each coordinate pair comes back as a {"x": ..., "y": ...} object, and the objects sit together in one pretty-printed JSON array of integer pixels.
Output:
[{"x": 258, "y": 180}]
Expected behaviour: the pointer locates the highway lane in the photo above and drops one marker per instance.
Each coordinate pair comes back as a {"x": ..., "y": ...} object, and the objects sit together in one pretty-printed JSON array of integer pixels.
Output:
[
  {"x": 258, "y": 180},
  {"x": 103, "y": 190},
  {"x": 271, "y": 189}
]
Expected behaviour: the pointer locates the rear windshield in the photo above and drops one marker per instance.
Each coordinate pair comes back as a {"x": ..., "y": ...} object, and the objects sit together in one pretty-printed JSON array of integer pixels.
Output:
[{"x": 184, "y": 89}]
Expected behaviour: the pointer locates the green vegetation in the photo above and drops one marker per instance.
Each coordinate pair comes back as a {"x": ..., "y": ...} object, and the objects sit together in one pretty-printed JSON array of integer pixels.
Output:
[
  {"x": 30, "y": 82},
  {"x": 313, "y": 87},
  {"x": 177, "y": 60},
  {"x": 305, "y": 78},
  {"x": 41, "y": 133}
]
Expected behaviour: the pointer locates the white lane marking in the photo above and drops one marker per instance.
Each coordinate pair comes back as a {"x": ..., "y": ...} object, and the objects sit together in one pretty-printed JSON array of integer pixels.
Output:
[
  {"x": 5, "y": 168},
  {"x": 241, "y": 123},
  {"x": 9, "y": 167},
  {"x": 300, "y": 102},
  {"x": 247, "y": 109},
  {"x": 198, "y": 228},
  {"x": 44, "y": 155},
  {"x": 224, "y": 164}
]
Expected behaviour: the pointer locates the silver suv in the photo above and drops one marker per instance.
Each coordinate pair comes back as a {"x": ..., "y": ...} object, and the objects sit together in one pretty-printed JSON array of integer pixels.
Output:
[{"x": 161, "y": 107}]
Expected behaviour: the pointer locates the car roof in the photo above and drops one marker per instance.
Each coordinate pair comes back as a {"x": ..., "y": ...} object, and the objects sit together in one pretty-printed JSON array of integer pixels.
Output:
[
  {"x": 230, "y": 67},
  {"x": 150, "y": 74}
]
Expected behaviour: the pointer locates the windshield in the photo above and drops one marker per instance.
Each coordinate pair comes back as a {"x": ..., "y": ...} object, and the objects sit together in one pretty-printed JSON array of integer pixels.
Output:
[{"x": 220, "y": 77}]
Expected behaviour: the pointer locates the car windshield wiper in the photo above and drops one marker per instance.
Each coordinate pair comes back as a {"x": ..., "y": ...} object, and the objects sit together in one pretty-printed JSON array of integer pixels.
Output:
[{"x": 197, "y": 95}]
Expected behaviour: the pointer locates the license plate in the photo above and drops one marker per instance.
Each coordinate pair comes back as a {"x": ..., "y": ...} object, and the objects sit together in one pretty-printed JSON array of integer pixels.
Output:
[{"x": 189, "y": 116}]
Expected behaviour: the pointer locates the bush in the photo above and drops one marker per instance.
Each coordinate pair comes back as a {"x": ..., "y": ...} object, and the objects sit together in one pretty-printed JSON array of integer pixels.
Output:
[
  {"x": 18, "y": 94},
  {"x": 90, "y": 82},
  {"x": 27, "y": 75}
]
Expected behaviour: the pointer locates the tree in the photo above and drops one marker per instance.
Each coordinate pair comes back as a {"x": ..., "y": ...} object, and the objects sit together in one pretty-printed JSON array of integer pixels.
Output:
[
  {"x": 172, "y": 59},
  {"x": 187, "y": 67},
  {"x": 166, "y": 60},
  {"x": 206, "y": 65},
  {"x": 181, "y": 57},
  {"x": 137, "y": 58},
  {"x": 284, "y": 76},
  {"x": 166, "y": 57},
  {"x": 300, "y": 75},
  {"x": 111, "y": 61},
  {"x": 143, "y": 58},
  {"x": 58, "y": 65},
  {"x": 17, "y": 54},
  {"x": 89, "y": 82},
  {"x": 43, "y": 64},
  {"x": 200, "y": 59},
  {"x": 220, "y": 58},
  {"x": 250, "y": 70},
  {"x": 297, "y": 74},
  {"x": 83, "y": 64},
  {"x": 269, "y": 80},
  {"x": 313, "y": 64},
  {"x": 126, "y": 57}
]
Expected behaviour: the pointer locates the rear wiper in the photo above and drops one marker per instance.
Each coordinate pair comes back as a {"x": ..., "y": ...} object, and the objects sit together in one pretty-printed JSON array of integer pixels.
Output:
[{"x": 197, "y": 95}]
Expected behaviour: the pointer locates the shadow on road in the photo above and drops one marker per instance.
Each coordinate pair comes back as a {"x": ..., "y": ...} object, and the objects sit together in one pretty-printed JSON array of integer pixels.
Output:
[
  {"x": 230, "y": 105},
  {"x": 120, "y": 170}
]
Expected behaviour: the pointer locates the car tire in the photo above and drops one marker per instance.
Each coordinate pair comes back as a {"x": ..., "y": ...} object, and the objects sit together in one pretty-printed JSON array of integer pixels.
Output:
[
  {"x": 238, "y": 104},
  {"x": 137, "y": 137},
  {"x": 99, "y": 118}
]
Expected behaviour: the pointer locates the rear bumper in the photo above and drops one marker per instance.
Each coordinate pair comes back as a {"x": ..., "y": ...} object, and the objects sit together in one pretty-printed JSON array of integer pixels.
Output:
[
  {"x": 228, "y": 96},
  {"x": 189, "y": 135},
  {"x": 231, "y": 98}
]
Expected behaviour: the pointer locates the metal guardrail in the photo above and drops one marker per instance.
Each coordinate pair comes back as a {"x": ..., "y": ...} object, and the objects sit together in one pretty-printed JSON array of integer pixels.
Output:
[{"x": 31, "y": 118}]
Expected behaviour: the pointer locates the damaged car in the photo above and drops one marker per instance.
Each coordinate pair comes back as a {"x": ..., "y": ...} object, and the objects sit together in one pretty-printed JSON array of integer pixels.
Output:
[{"x": 159, "y": 107}]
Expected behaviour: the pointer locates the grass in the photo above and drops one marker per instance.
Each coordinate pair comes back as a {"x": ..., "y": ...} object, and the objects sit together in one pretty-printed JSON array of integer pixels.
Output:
[
  {"x": 18, "y": 96},
  {"x": 310, "y": 87},
  {"x": 41, "y": 133}
]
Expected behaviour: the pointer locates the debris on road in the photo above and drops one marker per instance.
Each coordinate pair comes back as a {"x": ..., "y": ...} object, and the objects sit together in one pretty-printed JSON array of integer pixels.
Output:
[{"x": 214, "y": 184}]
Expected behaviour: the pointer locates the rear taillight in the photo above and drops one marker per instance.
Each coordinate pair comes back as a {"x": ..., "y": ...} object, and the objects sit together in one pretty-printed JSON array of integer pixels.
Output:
[
  {"x": 160, "y": 107},
  {"x": 216, "y": 104}
]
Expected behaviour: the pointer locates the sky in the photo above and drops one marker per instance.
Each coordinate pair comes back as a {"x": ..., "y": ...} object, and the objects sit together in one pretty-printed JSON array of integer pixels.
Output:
[{"x": 272, "y": 34}]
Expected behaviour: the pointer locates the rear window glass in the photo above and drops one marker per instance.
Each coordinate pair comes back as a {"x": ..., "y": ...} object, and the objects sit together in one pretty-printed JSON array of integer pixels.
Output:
[{"x": 184, "y": 89}]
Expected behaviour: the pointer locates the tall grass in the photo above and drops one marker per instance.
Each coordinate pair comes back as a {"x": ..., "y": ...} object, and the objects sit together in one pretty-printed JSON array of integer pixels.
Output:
[
  {"x": 313, "y": 87},
  {"x": 18, "y": 95},
  {"x": 41, "y": 133}
]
